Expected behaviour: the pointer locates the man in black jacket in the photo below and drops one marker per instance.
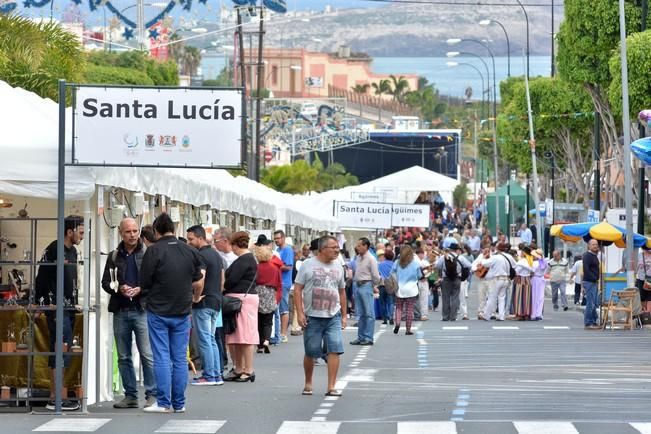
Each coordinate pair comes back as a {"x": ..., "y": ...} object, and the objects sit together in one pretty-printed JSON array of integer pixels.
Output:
[
  {"x": 171, "y": 277},
  {"x": 591, "y": 272},
  {"x": 121, "y": 280},
  {"x": 46, "y": 289}
]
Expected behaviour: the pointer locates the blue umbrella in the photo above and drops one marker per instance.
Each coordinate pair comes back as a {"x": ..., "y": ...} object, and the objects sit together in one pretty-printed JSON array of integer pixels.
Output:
[{"x": 642, "y": 149}]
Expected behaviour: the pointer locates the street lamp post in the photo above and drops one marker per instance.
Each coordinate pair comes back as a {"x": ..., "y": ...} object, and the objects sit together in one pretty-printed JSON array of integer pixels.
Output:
[
  {"x": 526, "y": 18},
  {"x": 453, "y": 41},
  {"x": 508, "y": 43},
  {"x": 470, "y": 65}
]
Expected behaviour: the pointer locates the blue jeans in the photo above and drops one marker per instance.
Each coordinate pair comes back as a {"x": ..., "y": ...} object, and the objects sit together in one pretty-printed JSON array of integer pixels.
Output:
[
  {"x": 283, "y": 306},
  {"x": 365, "y": 307},
  {"x": 204, "y": 324},
  {"x": 127, "y": 323},
  {"x": 590, "y": 314},
  {"x": 169, "y": 337},
  {"x": 320, "y": 331},
  {"x": 275, "y": 340},
  {"x": 387, "y": 303}
]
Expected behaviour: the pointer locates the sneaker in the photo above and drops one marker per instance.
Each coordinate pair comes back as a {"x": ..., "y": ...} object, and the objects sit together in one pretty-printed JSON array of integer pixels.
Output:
[
  {"x": 565, "y": 308},
  {"x": 203, "y": 381},
  {"x": 66, "y": 405},
  {"x": 219, "y": 381},
  {"x": 156, "y": 409},
  {"x": 180, "y": 410},
  {"x": 296, "y": 332},
  {"x": 127, "y": 402},
  {"x": 390, "y": 322},
  {"x": 284, "y": 339},
  {"x": 151, "y": 400}
]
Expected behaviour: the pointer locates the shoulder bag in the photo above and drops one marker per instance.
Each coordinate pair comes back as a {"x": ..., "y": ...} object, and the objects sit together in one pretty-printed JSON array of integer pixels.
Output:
[{"x": 647, "y": 279}]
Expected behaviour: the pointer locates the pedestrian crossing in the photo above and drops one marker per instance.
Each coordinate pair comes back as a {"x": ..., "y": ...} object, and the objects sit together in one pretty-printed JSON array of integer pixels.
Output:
[
  {"x": 505, "y": 327},
  {"x": 80, "y": 424}
]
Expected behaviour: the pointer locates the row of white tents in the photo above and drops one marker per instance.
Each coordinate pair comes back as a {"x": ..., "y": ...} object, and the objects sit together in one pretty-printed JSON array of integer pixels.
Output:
[{"x": 28, "y": 154}]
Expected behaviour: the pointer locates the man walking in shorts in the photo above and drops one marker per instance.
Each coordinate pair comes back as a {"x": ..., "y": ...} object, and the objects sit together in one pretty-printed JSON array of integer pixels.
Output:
[{"x": 320, "y": 296}]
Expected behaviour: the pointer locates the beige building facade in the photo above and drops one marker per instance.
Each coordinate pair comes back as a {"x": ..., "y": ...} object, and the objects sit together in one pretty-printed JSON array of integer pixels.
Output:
[{"x": 298, "y": 73}]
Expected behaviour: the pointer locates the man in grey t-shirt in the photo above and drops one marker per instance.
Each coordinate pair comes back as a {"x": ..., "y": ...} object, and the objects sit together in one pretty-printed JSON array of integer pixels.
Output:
[{"x": 320, "y": 297}]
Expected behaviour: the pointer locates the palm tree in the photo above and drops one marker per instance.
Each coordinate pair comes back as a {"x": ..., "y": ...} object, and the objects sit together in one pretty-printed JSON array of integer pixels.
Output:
[
  {"x": 190, "y": 60},
  {"x": 361, "y": 89},
  {"x": 35, "y": 56},
  {"x": 400, "y": 86},
  {"x": 381, "y": 88},
  {"x": 175, "y": 49}
]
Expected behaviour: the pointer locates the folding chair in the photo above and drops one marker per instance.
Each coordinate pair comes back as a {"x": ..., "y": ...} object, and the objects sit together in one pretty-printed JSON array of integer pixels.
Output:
[{"x": 621, "y": 302}]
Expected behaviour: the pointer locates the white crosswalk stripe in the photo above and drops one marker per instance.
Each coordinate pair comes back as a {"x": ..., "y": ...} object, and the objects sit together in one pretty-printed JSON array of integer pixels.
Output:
[
  {"x": 427, "y": 428},
  {"x": 545, "y": 428},
  {"x": 308, "y": 427},
  {"x": 191, "y": 426},
  {"x": 72, "y": 425},
  {"x": 320, "y": 425}
]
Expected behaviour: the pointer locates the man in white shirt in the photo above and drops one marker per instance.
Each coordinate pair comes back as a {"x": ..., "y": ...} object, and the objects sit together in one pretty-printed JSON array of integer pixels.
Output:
[
  {"x": 483, "y": 285},
  {"x": 222, "y": 243},
  {"x": 474, "y": 242},
  {"x": 499, "y": 270},
  {"x": 576, "y": 275}
]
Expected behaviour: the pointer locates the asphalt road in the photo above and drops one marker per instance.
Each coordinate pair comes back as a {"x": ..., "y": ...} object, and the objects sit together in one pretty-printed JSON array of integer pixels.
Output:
[{"x": 548, "y": 377}]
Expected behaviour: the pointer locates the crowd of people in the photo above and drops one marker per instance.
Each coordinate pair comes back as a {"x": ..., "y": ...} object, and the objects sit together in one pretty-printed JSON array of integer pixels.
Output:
[{"x": 217, "y": 299}]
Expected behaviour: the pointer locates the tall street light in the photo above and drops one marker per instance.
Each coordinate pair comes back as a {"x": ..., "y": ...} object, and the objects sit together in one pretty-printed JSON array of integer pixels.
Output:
[
  {"x": 526, "y": 18},
  {"x": 508, "y": 43},
  {"x": 470, "y": 65},
  {"x": 454, "y": 41}
]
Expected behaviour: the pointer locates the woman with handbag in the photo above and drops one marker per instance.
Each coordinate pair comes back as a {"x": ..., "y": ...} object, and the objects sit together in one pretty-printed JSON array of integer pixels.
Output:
[
  {"x": 408, "y": 272},
  {"x": 269, "y": 287},
  {"x": 643, "y": 281},
  {"x": 240, "y": 286}
]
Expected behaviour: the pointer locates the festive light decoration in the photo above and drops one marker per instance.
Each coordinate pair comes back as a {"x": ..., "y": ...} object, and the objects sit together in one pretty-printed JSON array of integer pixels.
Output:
[
  {"x": 128, "y": 33},
  {"x": 7, "y": 6}
]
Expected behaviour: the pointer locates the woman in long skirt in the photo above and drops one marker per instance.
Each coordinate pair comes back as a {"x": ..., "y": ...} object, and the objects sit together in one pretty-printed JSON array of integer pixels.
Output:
[
  {"x": 522, "y": 294},
  {"x": 538, "y": 285}
]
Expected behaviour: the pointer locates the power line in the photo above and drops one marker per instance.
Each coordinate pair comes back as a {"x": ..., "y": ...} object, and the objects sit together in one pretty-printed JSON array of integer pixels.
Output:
[{"x": 465, "y": 3}]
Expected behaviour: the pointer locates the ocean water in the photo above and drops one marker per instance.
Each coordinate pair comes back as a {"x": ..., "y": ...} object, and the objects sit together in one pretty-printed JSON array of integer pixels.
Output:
[{"x": 451, "y": 81}]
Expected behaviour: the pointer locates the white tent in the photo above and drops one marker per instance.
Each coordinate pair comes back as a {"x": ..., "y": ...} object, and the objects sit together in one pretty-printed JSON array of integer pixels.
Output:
[{"x": 401, "y": 187}]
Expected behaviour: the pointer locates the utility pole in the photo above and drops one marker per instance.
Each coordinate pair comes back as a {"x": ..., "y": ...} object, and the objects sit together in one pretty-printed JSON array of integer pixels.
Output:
[
  {"x": 553, "y": 173},
  {"x": 641, "y": 205},
  {"x": 258, "y": 103},
  {"x": 596, "y": 156},
  {"x": 553, "y": 60},
  {"x": 534, "y": 167}
]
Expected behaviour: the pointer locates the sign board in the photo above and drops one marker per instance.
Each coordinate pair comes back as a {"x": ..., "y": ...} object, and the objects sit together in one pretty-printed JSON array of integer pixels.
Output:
[
  {"x": 169, "y": 127},
  {"x": 549, "y": 211},
  {"x": 314, "y": 81},
  {"x": 381, "y": 215},
  {"x": 410, "y": 215},
  {"x": 594, "y": 216},
  {"x": 363, "y": 215},
  {"x": 360, "y": 196}
]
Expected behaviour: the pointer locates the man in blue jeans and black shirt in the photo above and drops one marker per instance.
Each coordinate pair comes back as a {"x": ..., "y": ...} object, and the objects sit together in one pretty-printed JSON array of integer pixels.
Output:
[
  {"x": 129, "y": 317},
  {"x": 287, "y": 255},
  {"x": 206, "y": 313},
  {"x": 590, "y": 278},
  {"x": 171, "y": 277}
]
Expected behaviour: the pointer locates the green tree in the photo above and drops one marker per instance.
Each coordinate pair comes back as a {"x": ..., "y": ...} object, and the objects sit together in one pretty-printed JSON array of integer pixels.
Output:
[
  {"x": 129, "y": 67},
  {"x": 383, "y": 87},
  {"x": 427, "y": 102},
  {"x": 587, "y": 39},
  {"x": 302, "y": 177},
  {"x": 222, "y": 80},
  {"x": 190, "y": 60},
  {"x": 34, "y": 56},
  {"x": 639, "y": 75},
  {"x": 361, "y": 89},
  {"x": 563, "y": 123},
  {"x": 116, "y": 75},
  {"x": 399, "y": 87},
  {"x": 460, "y": 195}
]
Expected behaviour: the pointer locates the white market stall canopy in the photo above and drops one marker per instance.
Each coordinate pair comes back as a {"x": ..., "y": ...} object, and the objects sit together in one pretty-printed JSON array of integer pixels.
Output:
[
  {"x": 403, "y": 186},
  {"x": 29, "y": 146}
]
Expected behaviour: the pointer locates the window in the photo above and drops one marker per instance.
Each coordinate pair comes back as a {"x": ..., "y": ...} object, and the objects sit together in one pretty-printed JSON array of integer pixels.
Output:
[{"x": 274, "y": 75}]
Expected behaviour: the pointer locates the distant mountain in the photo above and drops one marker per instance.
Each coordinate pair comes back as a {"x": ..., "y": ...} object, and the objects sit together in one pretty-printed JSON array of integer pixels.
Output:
[{"x": 416, "y": 30}]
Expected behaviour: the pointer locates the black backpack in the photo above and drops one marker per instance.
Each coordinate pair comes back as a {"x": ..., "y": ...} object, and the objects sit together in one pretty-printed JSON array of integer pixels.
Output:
[{"x": 451, "y": 262}]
